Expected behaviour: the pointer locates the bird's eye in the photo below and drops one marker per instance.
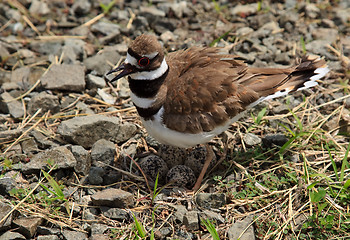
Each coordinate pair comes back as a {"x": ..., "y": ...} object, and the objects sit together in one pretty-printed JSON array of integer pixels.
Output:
[{"x": 143, "y": 62}]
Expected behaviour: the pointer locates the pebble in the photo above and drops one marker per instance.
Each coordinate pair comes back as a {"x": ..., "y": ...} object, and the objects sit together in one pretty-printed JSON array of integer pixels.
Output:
[
  {"x": 274, "y": 139},
  {"x": 191, "y": 220},
  {"x": 126, "y": 131},
  {"x": 251, "y": 139},
  {"x": 95, "y": 82},
  {"x": 211, "y": 200},
  {"x": 38, "y": 7},
  {"x": 4, "y": 210},
  {"x": 8, "y": 135},
  {"x": 100, "y": 61},
  {"x": 85, "y": 131},
  {"x": 45, "y": 101},
  {"x": 113, "y": 197},
  {"x": 118, "y": 214},
  {"x": 12, "y": 236},
  {"x": 27, "y": 225},
  {"x": 240, "y": 226},
  {"x": 245, "y": 10},
  {"x": 60, "y": 156},
  {"x": 83, "y": 159},
  {"x": 73, "y": 235},
  {"x": 102, "y": 151},
  {"x": 95, "y": 176},
  {"x": 81, "y": 7},
  {"x": 48, "y": 237},
  {"x": 9, "y": 105},
  {"x": 64, "y": 77}
]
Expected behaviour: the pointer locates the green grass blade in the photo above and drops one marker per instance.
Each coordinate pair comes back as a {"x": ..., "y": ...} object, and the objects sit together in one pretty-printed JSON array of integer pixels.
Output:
[
  {"x": 261, "y": 114},
  {"x": 57, "y": 190},
  {"x": 335, "y": 169},
  {"x": 300, "y": 125},
  {"x": 219, "y": 38},
  {"x": 140, "y": 230},
  {"x": 211, "y": 229},
  {"x": 302, "y": 42},
  {"x": 344, "y": 164},
  {"x": 287, "y": 128}
]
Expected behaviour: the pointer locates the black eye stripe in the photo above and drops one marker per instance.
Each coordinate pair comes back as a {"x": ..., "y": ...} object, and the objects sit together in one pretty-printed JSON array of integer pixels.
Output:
[{"x": 138, "y": 57}]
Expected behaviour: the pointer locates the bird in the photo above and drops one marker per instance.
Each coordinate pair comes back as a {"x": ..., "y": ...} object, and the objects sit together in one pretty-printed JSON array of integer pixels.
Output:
[{"x": 189, "y": 96}]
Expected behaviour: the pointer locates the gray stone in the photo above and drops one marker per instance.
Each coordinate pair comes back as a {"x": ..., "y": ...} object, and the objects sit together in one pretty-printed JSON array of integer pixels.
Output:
[
  {"x": 39, "y": 8},
  {"x": 95, "y": 176},
  {"x": 126, "y": 131},
  {"x": 116, "y": 213},
  {"x": 247, "y": 9},
  {"x": 98, "y": 228},
  {"x": 100, "y": 61},
  {"x": 84, "y": 108},
  {"x": 9, "y": 105},
  {"x": 239, "y": 226},
  {"x": 152, "y": 10},
  {"x": 42, "y": 140},
  {"x": 73, "y": 51},
  {"x": 48, "y": 230},
  {"x": 83, "y": 159},
  {"x": 48, "y": 237},
  {"x": 6, "y": 185},
  {"x": 167, "y": 36},
  {"x": 73, "y": 235},
  {"x": 181, "y": 175},
  {"x": 152, "y": 165},
  {"x": 20, "y": 74},
  {"x": 99, "y": 237},
  {"x": 103, "y": 151},
  {"x": 60, "y": 156},
  {"x": 244, "y": 31},
  {"x": 105, "y": 28},
  {"x": 282, "y": 58},
  {"x": 4, "y": 210},
  {"x": 342, "y": 15},
  {"x": 85, "y": 131},
  {"x": 81, "y": 7},
  {"x": 311, "y": 10},
  {"x": 65, "y": 77},
  {"x": 8, "y": 86},
  {"x": 95, "y": 82},
  {"x": 211, "y": 200},
  {"x": 274, "y": 139},
  {"x": 207, "y": 214},
  {"x": 29, "y": 146},
  {"x": 191, "y": 220},
  {"x": 12, "y": 236},
  {"x": 251, "y": 139},
  {"x": 328, "y": 34},
  {"x": 9, "y": 135},
  {"x": 28, "y": 225},
  {"x": 47, "y": 48},
  {"x": 180, "y": 213},
  {"x": 45, "y": 101},
  {"x": 113, "y": 197}
]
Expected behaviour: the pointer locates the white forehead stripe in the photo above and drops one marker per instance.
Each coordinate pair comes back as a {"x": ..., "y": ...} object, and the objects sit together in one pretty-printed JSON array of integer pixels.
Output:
[
  {"x": 151, "y": 55},
  {"x": 151, "y": 75},
  {"x": 130, "y": 59}
]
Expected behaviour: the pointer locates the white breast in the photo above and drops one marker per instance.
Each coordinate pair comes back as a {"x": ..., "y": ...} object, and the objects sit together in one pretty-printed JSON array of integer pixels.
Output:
[{"x": 161, "y": 133}]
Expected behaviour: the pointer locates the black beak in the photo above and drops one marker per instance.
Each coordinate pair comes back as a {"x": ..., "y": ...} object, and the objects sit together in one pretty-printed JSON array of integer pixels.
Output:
[{"x": 125, "y": 69}]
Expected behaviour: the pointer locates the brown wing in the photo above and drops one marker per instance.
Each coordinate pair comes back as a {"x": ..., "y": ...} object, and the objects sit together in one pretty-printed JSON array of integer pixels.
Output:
[{"x": 203, "y": 91}]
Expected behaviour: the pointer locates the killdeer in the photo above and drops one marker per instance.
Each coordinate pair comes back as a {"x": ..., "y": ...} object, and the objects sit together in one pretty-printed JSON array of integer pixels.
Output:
[{"x": 190, "y": 96}]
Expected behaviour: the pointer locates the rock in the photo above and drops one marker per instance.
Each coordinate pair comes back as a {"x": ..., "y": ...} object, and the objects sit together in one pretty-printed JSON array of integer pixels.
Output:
[
  {"x": 95, "y": 82},
  {"x": 9, "y": 105},
  {"x": 73, "y": 51},
  {"x": 28, "y": 225},
  {"x": 191, "y": 220},
  {"x": 152, "y": 165},
  {"x": 105, "y": 28},
  {"x": 48, "y": 237},
  {"x": 81, "y": 7},
  {"x": 113, "y": 197},
  {"x": 126, "y": 131},
  {"x": 97, "y": 228},
  {"x": 181, "y": 175},
  {"x": 53, "y": 48},
  {"x": 85, "y": 131},
  {"x": 282, "y": 58},
  {"x": 42, "y": 141},
  {"x": 207, "y": 214},
  {"x": 274, "y": 139},
  {"x": 251, "y": 139},
  {"x": 311, "y": 10},
  {"x": 100, "y": 61},
  {"x": 95, "y": 176},
  {"x": 39, "y": 8},
  {"x": 151, "y": 10},
  {"x": 173, "y": 156},
  {"x": 64, "y": 77},
  {"x": 29, "y": 146},
  {"x": 60, "y": 156},
  {"x": 83, "y": 160},
  {"x": 245, "y": 10},
  {"x": 6, "y": 185},
  {"x": 83, "y": 108},
  {"x": 196, "y": 158},
  {"x": 20, "y": 74},
  {"x": 211, "y": 200},
  {"x": 167, "y": 36},
  {"x": 73, "y": 235},
  {"x": 4, "y": 210},
  {"x": 180, "y": 213},
  {"x": 99, "y": 237},
  {"x": 9, "y": 135},
  {"x": 239, "y": 226},
  {"x": 45, "y": 101},
  {"x": 244, "y": 31},
  {"x": 103, "y": 151},
  {"x": 326, "y": 34},
  {"x": 12, "y": 236},
  {"x": 48, "y": 230},
  {"x": 116, "y": 213}
]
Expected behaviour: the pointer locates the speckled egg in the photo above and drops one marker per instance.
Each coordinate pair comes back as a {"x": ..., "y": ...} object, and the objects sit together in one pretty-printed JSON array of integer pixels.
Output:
[
  {"x": 173, "y": 156},
  {"x": 196, "y": 158},
  {"x": 151, "y": 165},
  {"x": 181, "y": 176}
]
